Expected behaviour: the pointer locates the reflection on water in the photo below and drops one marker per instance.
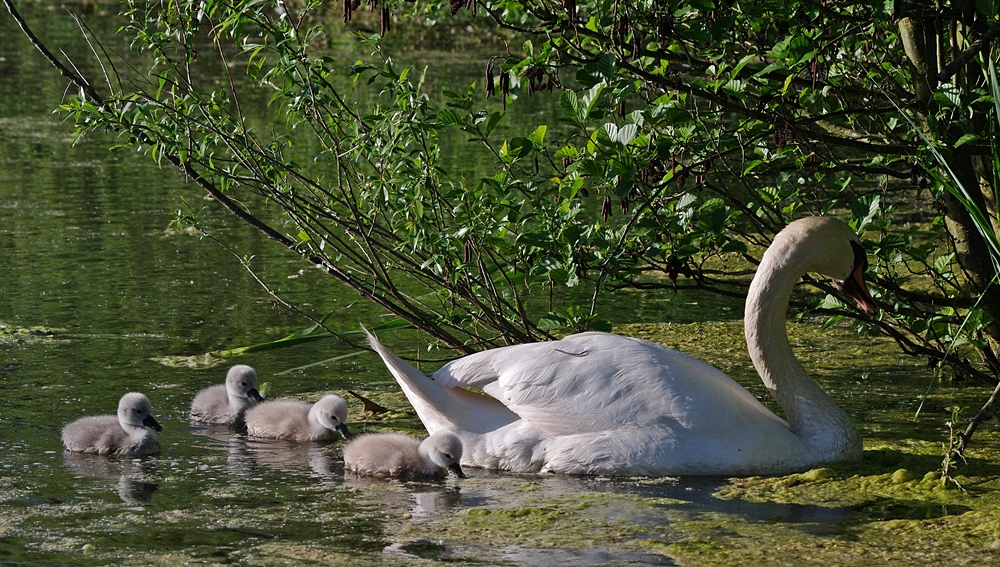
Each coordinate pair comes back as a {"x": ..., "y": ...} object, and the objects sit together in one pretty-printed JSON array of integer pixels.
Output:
[
  {"x": 245, "y": 456},
  {"x": 131, "y": 473},
  {"x": 418, "y": 498},
  {"x": 317, "y": 458}
]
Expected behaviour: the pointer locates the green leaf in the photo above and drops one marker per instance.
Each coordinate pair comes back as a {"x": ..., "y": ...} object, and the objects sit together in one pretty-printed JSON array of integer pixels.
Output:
[
  {"x": 492, "y": 122},
  {"x": 538, "y": 136},
  {"x": 520, "y": 147},
  {"x": 570, "y": 105},
  {"x": 626, "y": 134},
  {"x": 449, "y": 117},
  {"x": 966, "y": 139},
  {"x": 948, "y": 95}
]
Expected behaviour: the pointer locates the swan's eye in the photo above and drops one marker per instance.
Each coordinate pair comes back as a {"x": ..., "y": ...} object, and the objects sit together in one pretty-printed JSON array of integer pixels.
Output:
[{"x": 447, "y": 456}]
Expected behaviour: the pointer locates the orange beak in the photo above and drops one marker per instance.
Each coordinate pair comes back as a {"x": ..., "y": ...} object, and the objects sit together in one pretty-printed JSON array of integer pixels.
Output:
[{"x": 854, "y": 286}]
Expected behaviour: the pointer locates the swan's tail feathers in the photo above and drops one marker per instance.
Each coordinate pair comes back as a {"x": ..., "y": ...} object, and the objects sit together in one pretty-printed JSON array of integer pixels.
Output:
[{"x": 441, "y": 408}]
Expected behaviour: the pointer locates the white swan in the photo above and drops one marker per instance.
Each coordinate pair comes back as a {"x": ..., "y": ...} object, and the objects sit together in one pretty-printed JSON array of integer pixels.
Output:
[
  {"x": 128, "y": 433},
  {"x": 227, "y": 403},
  {"x": 394, "y": 455},
  {"x": 294, "y": 420},
  {"x": 596, "y": 403}
]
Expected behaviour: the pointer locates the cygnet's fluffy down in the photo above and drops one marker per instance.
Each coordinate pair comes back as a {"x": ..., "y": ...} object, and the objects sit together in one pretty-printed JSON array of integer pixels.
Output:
[
  {"x": 294, "y": 420},
  {"x": 227, "y": 403},
  {"x": 131, "y": 432},
  {"x": 385, "y": 455}
]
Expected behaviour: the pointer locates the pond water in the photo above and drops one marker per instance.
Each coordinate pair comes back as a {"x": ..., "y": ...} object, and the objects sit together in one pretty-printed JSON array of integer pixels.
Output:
[{"x": 95, "y": 290}]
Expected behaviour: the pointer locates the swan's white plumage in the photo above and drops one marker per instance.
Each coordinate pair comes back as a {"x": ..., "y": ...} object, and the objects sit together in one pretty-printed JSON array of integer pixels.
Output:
[
  {"x": 130, "y": 432},
  {"x": 596, "y": 403},
  {"x": 294, "y": 420},
  {"x": 394, "y": 455},
  {"x": 227, "y": 403}
]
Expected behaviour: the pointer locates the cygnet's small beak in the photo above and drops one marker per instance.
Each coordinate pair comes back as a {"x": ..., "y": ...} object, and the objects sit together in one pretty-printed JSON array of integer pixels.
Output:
[
  {"x": 254, "y": 395},
  {"x": 151, "y": 422},
  {"x": 342, "y": 428},
  {"x": 456, "y": 469}
]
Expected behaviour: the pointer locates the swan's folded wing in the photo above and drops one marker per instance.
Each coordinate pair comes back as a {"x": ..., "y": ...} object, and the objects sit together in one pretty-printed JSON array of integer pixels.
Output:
[
  {"x": 582, "y": 383},
  {"x": 599, "y": 382}
]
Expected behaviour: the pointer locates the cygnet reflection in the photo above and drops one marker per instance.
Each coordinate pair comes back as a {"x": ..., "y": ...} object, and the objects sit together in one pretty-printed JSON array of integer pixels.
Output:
[
  {"x": 419, "y": 498},
  {"x": 317, "y": 459},
  {"x": 133, "y": 475},
  {"x": 224, "y": 438}
]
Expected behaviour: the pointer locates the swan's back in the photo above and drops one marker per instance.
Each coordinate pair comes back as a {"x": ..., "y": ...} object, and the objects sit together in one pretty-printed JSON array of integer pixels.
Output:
[
  {"x": 227, "y": 403},
  {"x": 594, "y": 382},
  {"x": 393, "y": 455},
  {"x": 123, "y": 434},
  {"x": 289, "y": 420}
]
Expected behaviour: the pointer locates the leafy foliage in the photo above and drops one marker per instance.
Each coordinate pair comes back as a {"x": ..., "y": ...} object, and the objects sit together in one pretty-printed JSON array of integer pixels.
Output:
[{"x": 690, "y": 132}]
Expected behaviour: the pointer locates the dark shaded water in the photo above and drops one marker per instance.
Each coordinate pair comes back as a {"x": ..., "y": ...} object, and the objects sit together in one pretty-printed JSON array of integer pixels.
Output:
[{"x": 84, "y": 248}]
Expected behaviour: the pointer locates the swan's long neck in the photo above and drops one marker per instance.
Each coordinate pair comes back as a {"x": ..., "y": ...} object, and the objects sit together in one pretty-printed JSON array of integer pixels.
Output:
[{"x": 812, "y": 415}]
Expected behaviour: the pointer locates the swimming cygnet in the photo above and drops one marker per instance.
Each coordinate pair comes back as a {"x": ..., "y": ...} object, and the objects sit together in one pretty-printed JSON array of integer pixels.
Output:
[
  {"x": 227, "y": 403},
  {"x": 395, "y": 455},
  {"x": 128, "y": 433},
  {"x": 293, "y": 420}
]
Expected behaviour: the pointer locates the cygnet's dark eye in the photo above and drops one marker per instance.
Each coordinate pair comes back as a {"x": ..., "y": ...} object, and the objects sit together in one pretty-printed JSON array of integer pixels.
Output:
[
  {"x": 243, "y": 383},
  {"x": 447, "y": 456}
]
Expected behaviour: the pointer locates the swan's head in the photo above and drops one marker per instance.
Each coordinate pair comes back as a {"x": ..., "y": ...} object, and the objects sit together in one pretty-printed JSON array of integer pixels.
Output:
[
  {"x": 241, "y": 383},
  {"x": 135, "y": 411},
  {"x": 828, "y": 246},
  {"x": 444, "y": 449},
  {"x": 331, "y": 412}
]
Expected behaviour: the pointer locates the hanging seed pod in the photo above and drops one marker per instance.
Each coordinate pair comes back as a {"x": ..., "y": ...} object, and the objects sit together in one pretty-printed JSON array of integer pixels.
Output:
[
  {"x": 815, "y": 71},
  {"x": 490, "y": 87},
  {"x": 624, "y": 206},
  {"x": 455, "y": 5},
  {"x": 570, "y": 7},
  {"x": 606, "y": 209},
  {"x": 504, "y": 88},
  {"x": 681, "y": 178},
  {"x": 699, "y": 181},
  {"x": 468, "y": 251},
  {"x": 347, "y": 11}
]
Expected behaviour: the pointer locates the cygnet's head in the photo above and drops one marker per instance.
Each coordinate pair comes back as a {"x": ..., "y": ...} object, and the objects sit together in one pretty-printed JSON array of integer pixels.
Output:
[
  {"x": 444, "y": 449},
  {"x": 331, "y": 412},
  {"x": 135, "y": 411},
  {"x": 829, "y": 246},
  {"x": 241, "y": 382}
]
